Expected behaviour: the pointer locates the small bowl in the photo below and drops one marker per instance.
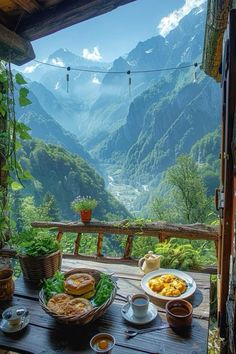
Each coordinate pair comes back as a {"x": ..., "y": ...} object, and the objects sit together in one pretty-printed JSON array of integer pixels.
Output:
[
  {"x": 99, "y": 337},
  {"x": 179, "y": 313}
]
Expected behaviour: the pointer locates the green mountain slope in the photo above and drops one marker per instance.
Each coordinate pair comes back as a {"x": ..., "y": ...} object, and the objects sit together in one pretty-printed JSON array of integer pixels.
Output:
[
  {"x": 206, "y": 152},
  {"x": 163, "y": 123},
  {"x": 44, "y": 126},
  {"x": 66, "y": 176}
]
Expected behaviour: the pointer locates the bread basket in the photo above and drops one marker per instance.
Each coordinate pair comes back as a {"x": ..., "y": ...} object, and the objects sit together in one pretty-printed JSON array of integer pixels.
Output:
[{"x": 90, "y": 316}]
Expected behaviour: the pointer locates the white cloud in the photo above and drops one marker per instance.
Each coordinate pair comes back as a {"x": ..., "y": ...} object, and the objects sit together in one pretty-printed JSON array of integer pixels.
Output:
[
  {"x": 96, "y": 80},
  {"x": 30, "y": 68},
  {"x": 94, "y": 55},
  {"x": 57, "y": 61},
  {"x": 171, "y": 21}
]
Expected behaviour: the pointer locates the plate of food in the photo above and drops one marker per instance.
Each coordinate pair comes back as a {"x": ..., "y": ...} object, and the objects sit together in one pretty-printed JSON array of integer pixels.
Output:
[
  {"x": 79, "y": 296},
  {"x": 168, "y": 284}
]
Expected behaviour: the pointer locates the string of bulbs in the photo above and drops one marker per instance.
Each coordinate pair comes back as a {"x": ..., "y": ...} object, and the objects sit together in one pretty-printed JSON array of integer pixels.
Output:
[{"x": 127, "y": 72}]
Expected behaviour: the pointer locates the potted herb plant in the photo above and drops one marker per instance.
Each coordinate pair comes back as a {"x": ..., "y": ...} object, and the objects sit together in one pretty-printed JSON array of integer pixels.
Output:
[
  {"x": 84, "y": 206},
  {"x": 39, "y": 255}
]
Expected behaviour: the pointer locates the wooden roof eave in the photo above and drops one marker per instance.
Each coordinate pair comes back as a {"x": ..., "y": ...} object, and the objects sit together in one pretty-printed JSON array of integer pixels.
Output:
[
  {"x": 36, "y": 19},
  {"x": 14, "y": 48},
  {"x": 216, "y": 23}
]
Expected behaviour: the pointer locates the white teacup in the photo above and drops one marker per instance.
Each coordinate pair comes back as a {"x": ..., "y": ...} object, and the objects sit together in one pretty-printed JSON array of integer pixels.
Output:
[
  {"x": 139, "y": 304},
  {"x": 14, "y": 315}
]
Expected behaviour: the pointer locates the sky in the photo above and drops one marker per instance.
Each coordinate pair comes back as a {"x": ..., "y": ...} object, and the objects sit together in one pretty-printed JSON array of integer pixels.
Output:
[{"x": 106, "y": 37}]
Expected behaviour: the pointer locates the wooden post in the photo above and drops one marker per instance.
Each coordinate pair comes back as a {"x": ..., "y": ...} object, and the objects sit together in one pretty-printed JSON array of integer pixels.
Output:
[
  {"x": 59, "y": 236},
  {"x": 99, "y": 244},
  {"x": 229, "y": 78},
  {"x": 77, "y": 243},
  {"x": 128, "y": 246}
]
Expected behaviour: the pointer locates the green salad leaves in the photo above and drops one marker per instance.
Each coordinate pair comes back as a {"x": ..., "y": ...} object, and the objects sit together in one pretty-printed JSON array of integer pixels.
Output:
[
  {"x": 54, "y": 285},
  {"x": 103, "y": 290}
]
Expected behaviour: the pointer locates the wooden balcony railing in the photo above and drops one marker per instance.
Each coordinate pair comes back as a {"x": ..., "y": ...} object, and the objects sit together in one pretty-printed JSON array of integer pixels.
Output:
[{"x": 162, "y": 231}]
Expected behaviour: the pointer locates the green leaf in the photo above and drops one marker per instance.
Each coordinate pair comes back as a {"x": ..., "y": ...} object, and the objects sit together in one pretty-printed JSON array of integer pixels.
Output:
[
  {"x": 18, "y": 145},
  {"x": 27, "y": 175},
  {"x": 24, "y": 91},
  {"x": 24, "y": 101},
  {"x": 16, "y": 186},
  {"x": 2, "y": 112},
  {"x": 20, "y": 80},
  {"x": 3, "y": 78},
  {"x": 24, "y": 135}
]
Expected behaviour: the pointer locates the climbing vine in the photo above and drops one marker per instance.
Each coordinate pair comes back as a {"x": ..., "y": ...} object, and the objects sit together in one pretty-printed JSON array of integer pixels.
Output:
[{"x": 12, "y": 133}]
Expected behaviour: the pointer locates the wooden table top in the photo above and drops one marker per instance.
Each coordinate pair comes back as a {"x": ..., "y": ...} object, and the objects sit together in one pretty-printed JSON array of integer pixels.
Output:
[{"x": 45, "y": 336}]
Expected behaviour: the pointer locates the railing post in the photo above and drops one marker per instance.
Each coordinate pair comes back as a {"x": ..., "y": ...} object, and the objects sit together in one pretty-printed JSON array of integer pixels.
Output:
[
  {"x": 128, "y": 246},
  {"x": 217, "y": 248},
  {"x": 99, "y": 244},
  {"x": 77, "y": 243},
  {"x": 59, "y": 236}
]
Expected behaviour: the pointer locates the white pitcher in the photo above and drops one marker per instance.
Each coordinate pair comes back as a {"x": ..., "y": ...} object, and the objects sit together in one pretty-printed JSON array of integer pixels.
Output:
[{"x": 149, "y": 262}]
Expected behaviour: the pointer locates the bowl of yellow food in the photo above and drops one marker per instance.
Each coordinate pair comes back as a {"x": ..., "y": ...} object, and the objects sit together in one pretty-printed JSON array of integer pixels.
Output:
[{"x": 168, "y": 284}]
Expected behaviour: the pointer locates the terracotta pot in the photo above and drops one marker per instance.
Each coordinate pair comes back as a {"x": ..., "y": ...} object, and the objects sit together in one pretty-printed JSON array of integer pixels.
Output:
[
  {"x": 6, "y": 284},
  {"x": 86, "y": 215}
]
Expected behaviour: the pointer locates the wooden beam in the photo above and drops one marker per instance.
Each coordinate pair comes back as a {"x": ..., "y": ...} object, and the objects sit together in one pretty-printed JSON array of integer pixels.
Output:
[
  {"x": 29, "y": 6},
  {"x": 65, "y": 14},
  {"x": 13, "y": 48}
]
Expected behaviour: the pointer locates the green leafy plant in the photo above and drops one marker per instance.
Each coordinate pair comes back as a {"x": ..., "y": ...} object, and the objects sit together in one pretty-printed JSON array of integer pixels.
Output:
[
  {"x": 35, "y": 243},
  {"x": 83, "y": 203},
  {"x": 179, "y": 256},
  {"x": 12, "y": 133}
]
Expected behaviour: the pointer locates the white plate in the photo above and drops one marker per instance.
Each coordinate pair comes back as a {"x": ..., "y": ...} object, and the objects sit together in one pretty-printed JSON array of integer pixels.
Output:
[
  {"x": 128, "y": 314},
  {"x": 189, "y": 280}
]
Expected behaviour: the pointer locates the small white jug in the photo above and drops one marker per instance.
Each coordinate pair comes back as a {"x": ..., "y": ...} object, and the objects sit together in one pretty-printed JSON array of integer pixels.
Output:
[{"x": 149, "y": 262}]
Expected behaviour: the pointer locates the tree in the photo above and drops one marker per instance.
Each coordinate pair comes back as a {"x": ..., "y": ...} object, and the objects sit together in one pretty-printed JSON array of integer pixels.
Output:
[
  {"x": 30, "y": 212},
  {"x": 16, "y": 201},
  {"x": 50, "y": 207},
  {"x": 188, "y": 190}
]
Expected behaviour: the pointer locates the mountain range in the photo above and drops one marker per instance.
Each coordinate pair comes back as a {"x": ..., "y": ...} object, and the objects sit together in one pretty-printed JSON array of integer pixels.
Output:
[{"x": 136, "y": 122}]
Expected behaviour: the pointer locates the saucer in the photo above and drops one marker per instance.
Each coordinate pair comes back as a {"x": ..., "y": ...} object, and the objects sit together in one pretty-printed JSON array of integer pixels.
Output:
[
  {"x": 128, "y": 314},
  {"x": 4, "y": 325}
]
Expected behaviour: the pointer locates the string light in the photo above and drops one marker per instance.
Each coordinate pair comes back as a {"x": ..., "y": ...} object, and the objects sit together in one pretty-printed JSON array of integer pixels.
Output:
[
  {"x": 67, "y": 78},
  {"x": 195, "y": 72},
  {"x": 117, "y": 72},
  {"x": 128, "y": 72}
]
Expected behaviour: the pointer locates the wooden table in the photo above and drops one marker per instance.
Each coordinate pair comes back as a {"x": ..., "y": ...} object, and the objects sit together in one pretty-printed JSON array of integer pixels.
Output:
[{"x": 44, "y": 336}]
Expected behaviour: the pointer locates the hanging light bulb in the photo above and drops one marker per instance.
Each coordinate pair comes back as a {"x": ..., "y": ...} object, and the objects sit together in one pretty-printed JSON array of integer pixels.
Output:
[
  {"x": 130, "y": 81},
  {"x": 67, "y": 79},
  {"x": 195, "y": 72}
]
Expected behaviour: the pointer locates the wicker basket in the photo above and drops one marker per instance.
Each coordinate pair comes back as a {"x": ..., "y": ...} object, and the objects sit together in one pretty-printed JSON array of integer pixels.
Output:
[
  {"x": 38, "y": 268},
  {"x": 90, "y": 316}
]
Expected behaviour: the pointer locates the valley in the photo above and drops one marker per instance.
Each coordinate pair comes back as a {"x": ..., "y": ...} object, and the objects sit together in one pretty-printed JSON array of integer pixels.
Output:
[{"x": 125, "y": 193}]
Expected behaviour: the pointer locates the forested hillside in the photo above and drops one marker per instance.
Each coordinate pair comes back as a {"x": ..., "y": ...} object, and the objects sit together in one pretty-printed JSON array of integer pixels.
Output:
[{"x": 66, "y": 176}]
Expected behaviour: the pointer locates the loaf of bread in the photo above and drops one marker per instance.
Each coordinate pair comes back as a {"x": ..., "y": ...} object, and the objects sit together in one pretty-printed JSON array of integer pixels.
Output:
[{"x": 80, "y": 284}]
